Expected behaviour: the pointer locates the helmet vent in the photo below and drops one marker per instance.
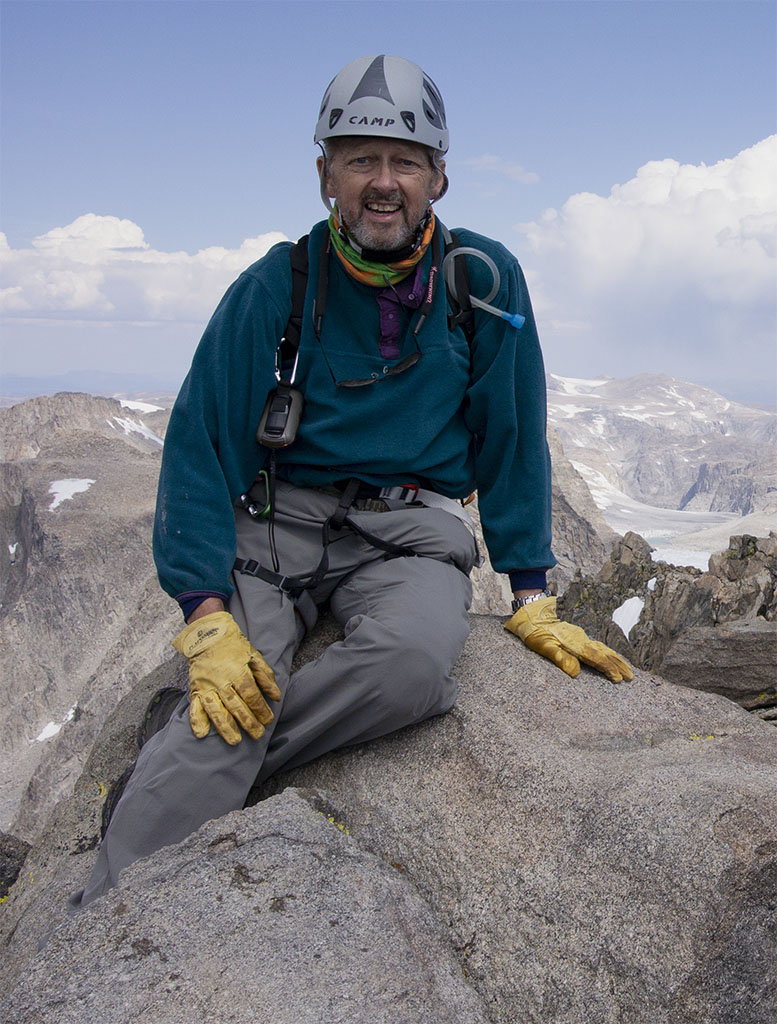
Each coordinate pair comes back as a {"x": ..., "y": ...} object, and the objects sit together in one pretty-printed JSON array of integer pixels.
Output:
[
  {"x": 409, "y": 118},
  {"x": 434, "y": 108}
]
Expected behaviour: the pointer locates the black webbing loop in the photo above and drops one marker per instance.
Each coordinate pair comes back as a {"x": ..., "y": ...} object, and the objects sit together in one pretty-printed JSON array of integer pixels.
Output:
[
  {"x": 291, "y": 585},
  {"x": 347, "y": 498},
  {"x": 397, "y": 550}
]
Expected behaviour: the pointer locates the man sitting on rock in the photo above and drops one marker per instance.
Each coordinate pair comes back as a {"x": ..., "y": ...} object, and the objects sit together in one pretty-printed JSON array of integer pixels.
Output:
[{"x": 331, "y": 469}]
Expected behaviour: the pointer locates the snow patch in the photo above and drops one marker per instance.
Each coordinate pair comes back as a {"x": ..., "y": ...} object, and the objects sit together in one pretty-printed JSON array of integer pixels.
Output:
[
  {"x": 133, "y": 427},
  {"x": 12, "y": 550},
  {"x": 643, "y": 417},
  {"x": 674, "y": 393},
  {"x": 651, "y": 584},
  {"x": 682, "y": 556},
  {"x": 140, "y": 406},
  {"x": 627, "y": 615},
  {"x": 577, "y": 385},
  {"x": 568, "y": 411},
  {"x": 63, "y": 490},
  {"x": 53, "y": 728},
  {"x": 603, "y": 492}
]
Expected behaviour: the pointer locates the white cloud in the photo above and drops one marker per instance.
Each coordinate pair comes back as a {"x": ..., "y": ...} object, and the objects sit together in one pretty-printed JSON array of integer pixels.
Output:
[
  {"x": 101, "y": 268},
  {"x": 498, "y": 165},
  {"x": 675, "y": 269},
  {"x": 91, "y": 239}
]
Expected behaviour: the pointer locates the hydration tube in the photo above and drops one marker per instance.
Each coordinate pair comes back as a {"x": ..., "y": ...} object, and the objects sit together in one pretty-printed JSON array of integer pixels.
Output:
[{"x": 515, "y": 319}]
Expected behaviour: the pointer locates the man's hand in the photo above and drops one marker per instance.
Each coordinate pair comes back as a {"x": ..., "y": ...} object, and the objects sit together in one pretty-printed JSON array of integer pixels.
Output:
[
  {"x": 564, "y": 644},
  {"x": 227, "y": 678}
]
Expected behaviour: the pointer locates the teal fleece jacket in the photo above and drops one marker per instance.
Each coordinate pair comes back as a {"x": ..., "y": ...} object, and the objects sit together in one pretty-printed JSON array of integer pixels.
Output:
[{"x": 461, "y": 419}]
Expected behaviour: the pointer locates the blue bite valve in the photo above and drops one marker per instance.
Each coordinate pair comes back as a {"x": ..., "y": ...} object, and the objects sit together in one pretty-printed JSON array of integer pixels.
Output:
[{"x": 515, "y": 319}]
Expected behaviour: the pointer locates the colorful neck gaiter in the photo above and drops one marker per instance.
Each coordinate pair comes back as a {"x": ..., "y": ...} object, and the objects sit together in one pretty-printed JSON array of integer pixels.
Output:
[{"x": 379, "y": 275}]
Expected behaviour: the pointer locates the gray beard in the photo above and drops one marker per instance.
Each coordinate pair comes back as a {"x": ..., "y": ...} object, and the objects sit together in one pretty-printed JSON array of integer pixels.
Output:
[{"x": 365, "y": 239}]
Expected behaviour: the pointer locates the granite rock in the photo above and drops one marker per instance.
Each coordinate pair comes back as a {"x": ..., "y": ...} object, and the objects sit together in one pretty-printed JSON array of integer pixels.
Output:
[
  {"x": 587, "y": 853},
  {"x": 273, "y": 913}
]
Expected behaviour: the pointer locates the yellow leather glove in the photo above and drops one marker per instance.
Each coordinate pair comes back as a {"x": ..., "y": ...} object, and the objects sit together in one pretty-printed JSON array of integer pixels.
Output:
[
  {"x": 227, "y": 677},
  {"x": 564, "y": 644}
]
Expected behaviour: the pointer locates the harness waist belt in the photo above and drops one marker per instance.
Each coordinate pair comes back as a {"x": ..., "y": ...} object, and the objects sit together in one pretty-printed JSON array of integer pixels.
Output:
[
  {"x": 434, "y": 500},
  {"x": 403, "y": 492}
]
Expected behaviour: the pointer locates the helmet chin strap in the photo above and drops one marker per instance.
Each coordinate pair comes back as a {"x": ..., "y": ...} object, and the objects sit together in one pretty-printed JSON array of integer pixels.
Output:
[
  {"x": 443, "y": 190},
  {"x": 322, "y": 182}
]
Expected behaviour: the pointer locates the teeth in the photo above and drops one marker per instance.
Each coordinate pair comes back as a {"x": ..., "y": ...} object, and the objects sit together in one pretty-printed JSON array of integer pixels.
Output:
[{"x": 383, "y": 207}]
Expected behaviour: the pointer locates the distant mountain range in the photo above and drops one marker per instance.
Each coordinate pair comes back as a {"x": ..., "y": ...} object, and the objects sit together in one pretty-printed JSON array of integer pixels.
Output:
[
  {"x": 14, "y": 388},
  {"x": 660, "y": 441}
]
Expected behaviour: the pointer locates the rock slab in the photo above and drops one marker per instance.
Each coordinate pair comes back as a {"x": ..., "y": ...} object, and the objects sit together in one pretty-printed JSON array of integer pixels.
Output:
[
  {"x": 586, "y": 853},
  {"x": 273, "y": 913}
]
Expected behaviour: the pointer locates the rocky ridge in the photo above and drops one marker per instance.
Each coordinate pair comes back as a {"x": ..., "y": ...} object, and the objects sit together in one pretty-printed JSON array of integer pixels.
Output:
[
  {"x": 714, "y": 630},
  {"x": 82, "y": 615}
]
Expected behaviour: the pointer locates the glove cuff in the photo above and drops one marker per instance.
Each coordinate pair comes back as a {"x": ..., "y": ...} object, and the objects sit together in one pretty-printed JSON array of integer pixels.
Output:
[
  {"x": 532, "y": 616},
  {"x": 201, "y": 634}
]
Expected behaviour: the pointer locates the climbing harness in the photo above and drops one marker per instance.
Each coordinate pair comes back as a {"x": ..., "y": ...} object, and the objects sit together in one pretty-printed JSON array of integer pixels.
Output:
[{"x": 340, "y": 520}]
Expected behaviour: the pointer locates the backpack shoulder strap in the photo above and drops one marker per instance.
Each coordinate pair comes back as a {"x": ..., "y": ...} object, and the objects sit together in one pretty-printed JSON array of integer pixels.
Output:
[
  {"x": 298, "y": 258},
  {"x": 462, "y": 314},
  {"x": 289, "y": 343}
]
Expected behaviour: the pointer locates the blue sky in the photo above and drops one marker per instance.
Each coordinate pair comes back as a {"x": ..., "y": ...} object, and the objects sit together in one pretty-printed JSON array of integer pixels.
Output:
[{"x": 139, "y": 135}]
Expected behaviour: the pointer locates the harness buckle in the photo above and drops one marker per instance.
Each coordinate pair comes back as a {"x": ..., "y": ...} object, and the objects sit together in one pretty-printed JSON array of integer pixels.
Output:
[
  {"x": 402, "y": 492},
  {"x": 282, "y": 586}
]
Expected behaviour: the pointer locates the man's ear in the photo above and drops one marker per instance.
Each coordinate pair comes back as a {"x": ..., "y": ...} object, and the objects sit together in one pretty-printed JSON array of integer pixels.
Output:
[
  {"x": 322, "y": 166},
  {"x": 440, "y": 185}
]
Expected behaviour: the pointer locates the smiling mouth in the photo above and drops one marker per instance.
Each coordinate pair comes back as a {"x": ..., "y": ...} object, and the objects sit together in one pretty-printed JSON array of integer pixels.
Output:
[{"x": 374, "y": 207}]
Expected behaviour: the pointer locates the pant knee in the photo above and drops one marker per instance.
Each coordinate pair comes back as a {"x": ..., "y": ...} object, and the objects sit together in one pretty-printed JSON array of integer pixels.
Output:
[{"x": 417, "y": 684}]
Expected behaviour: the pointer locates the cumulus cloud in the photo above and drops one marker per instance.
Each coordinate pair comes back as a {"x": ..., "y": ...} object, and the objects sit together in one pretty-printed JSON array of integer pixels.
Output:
[
  {"x": 102, "y": 268},
  {"x": 498, "y": 165},
  {"x": 673, "y": 270}
]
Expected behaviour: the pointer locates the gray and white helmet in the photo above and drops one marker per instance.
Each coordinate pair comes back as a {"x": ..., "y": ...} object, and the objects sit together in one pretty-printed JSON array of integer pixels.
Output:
[{"x": 383, "y": 96}]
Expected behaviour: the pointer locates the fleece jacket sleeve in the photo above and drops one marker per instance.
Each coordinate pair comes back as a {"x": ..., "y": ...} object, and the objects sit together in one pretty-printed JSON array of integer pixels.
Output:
[
  {"x": 211, "y": 455},
  {"x": 506, "y": 413}
]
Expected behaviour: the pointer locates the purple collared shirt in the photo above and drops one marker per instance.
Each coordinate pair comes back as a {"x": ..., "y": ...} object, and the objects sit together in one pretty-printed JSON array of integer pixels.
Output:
[{"x": 409, "y": 293}]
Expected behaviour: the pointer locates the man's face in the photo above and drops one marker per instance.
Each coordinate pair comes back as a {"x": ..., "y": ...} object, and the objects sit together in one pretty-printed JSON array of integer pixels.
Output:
[{"x": 382, "y": 188}]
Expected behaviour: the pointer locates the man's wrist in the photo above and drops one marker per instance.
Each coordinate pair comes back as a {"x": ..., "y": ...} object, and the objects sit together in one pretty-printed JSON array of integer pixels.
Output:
[
  {"x": 192, "y": 599},
  {"x": 206, "y": 607}
]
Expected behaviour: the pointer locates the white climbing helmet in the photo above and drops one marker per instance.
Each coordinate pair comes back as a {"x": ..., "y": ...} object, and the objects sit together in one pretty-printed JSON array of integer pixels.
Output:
[{"x": 383, "y": 96}]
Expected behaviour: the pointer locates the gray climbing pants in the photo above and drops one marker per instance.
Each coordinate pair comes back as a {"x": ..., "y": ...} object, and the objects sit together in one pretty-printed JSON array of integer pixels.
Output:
[{"x": 404, "y": 621}]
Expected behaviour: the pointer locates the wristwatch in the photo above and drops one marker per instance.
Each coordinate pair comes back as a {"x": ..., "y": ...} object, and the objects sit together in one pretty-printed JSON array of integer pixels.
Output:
[{"x": 519, "y": 602}]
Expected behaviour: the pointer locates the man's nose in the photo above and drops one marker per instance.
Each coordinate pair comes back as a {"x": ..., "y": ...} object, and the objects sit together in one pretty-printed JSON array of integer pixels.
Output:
[{"x": 384, "y": 177}]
